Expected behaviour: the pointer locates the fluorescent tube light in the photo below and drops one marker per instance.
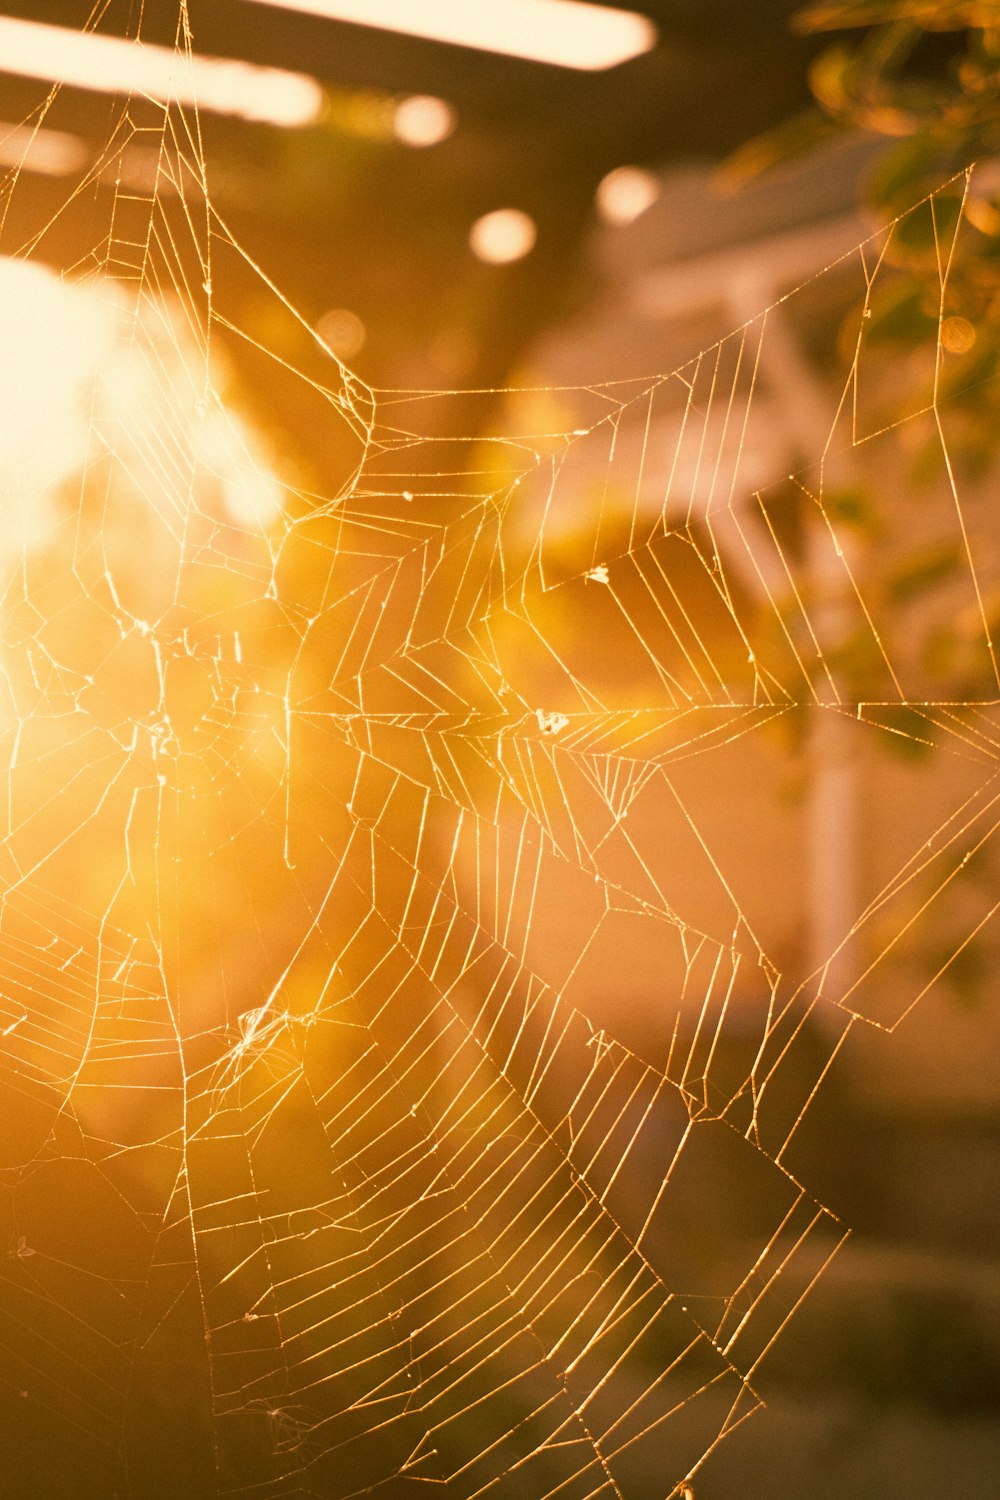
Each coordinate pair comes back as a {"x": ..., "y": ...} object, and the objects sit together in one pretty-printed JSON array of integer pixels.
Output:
[
  {"x": 114, "y": 65},
  {"x": 565, "y": 32}
]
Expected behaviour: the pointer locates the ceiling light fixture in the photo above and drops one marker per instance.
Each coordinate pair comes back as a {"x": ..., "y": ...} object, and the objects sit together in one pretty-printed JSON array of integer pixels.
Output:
[
  {"x": 115, "y": 65},
  {"x": 567, "y": 33}
]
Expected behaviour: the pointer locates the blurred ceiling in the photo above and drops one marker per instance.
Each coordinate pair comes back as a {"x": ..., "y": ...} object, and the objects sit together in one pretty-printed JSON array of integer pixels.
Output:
[{"x": 346, "y": 220}]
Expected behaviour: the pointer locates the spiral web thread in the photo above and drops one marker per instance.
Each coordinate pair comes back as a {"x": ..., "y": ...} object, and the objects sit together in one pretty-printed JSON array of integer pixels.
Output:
[{"x": 332, "y": 1166}]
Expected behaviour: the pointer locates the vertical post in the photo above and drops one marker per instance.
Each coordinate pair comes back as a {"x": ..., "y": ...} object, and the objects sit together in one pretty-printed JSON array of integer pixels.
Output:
[{"x": 833, "y": 772}]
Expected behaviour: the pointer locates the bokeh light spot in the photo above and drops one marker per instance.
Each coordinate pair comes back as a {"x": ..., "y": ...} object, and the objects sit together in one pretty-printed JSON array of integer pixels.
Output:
[
  {"x": 342, "y": 331},
  {"x": 957, "y": 335},
  {"x": 422, "y": 120},
  {"x": 626, "y": 193},
  {"x": 505, "y": 235}
]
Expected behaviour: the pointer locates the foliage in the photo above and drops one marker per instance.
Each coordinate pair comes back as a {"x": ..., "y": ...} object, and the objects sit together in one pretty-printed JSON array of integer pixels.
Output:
[
  {"x": 924, "y": 78},
  {"x": 921, "y": 77}
]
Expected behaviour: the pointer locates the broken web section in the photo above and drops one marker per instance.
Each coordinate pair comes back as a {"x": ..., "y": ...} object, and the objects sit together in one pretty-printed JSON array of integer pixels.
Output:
[{"x": 401, "y": 1036}]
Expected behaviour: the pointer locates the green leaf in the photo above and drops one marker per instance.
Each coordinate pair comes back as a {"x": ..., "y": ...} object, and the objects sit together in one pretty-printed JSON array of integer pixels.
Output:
[
  {"x": 928, "y": 568},
  {"x": 932, "y": 15},
  {"x": 845, "y": 16},
  {"x": 903, "y": 174},
  {"x": 852, "y": 505},
  {"x": 787, "y": 142},
  {"x": 828, "y": 78},
  {"x": 899, "y": 314},
  {"x": 925, "y": 234},
  {"x": 909, "y": 733}
]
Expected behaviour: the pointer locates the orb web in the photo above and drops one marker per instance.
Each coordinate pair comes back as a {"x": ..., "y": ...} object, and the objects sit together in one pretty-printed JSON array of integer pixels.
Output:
[{"x": 400, "y": 1052}]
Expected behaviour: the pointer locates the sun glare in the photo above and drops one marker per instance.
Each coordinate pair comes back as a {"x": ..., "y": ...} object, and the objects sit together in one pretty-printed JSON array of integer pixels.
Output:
[
  {"x": 54, "y": 337},
  {"x": 82, "y": 373}
]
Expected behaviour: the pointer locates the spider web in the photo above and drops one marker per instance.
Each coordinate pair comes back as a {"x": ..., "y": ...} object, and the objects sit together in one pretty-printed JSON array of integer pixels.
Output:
[{"x": 400, "y": 1051}]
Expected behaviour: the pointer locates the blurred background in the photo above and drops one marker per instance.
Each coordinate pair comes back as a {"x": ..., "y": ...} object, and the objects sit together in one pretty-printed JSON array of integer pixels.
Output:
[{"x": 501, "y": 250}]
